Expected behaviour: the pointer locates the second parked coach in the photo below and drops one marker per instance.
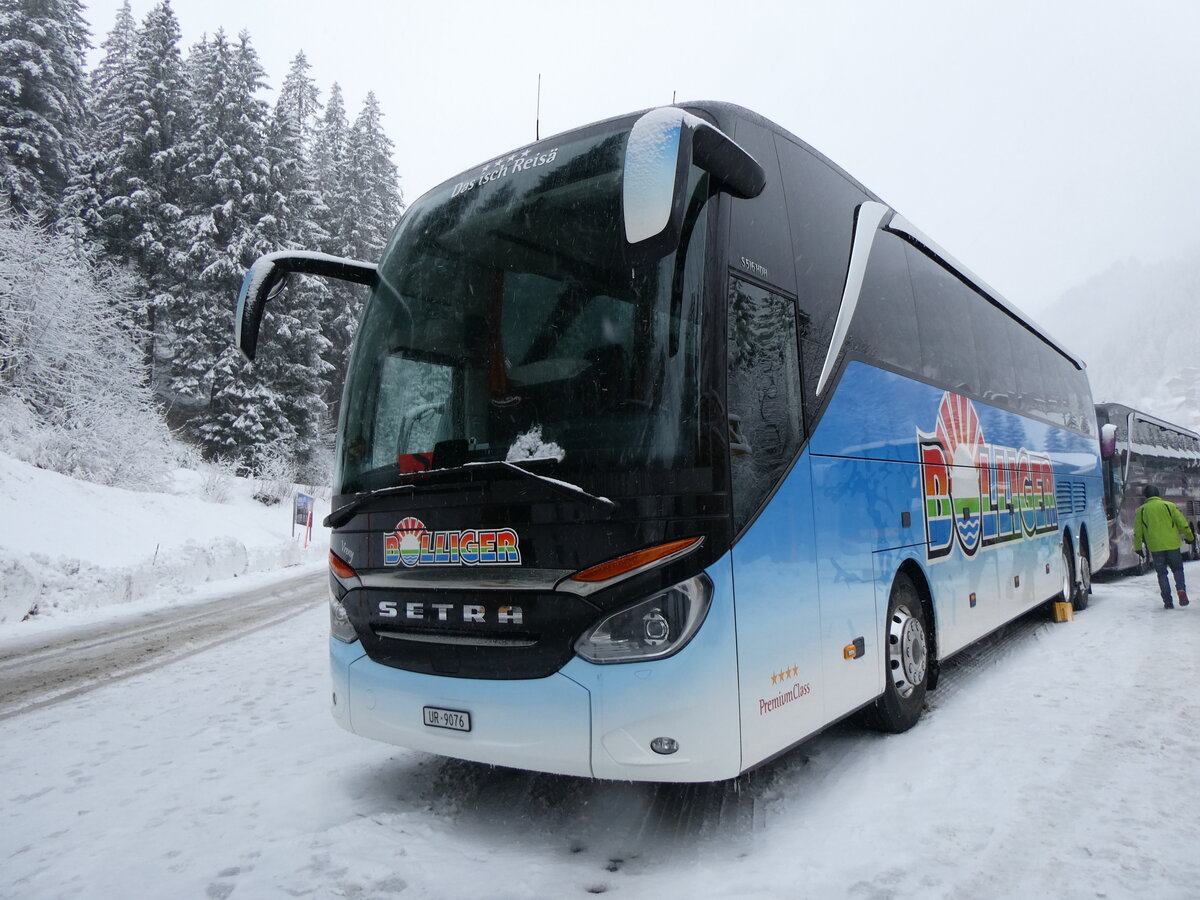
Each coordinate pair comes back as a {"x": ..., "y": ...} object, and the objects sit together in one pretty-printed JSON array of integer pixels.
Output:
[
  {"x": 1140, "y": 450},
  {"x": 665, "y": 444}
]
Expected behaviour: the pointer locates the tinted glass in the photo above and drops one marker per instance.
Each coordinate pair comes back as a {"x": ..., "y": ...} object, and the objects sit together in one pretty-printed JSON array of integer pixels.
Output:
[
  {"x": 884, "y": 327},
  {"x": 509, "y": 324},
  {"x": 821, "y": 204},
  {"x": 765, "y": 406},
  {"x": 943, "y": 302},
  {"x": 1031, "y": 364},
  {"x": 990, "y": 325},
  {"x": 760, "y": 242}
]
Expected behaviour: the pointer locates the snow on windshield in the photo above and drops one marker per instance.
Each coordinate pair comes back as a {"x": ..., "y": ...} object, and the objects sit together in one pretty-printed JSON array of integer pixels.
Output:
[{"x": 531, "y": 446}]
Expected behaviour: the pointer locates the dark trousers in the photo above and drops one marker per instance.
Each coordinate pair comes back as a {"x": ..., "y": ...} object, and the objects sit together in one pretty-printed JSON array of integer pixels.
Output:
[{"x": 1173, "y": 559}]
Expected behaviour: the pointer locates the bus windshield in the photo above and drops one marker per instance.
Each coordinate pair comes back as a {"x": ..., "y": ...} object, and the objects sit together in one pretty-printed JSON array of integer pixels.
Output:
[{"x": 509, "y": 324}]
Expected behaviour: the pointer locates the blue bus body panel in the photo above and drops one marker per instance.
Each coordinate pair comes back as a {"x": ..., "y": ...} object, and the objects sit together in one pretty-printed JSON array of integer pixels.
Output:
[
  {"x": 813, "y": 572},
  {"x": 889, "y": 445},
  {"x": 779, "y": 662},
  {"x": 690, "y": 697}
]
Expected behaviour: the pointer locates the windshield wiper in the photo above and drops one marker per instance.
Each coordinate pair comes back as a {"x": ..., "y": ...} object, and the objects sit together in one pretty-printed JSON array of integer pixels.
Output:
[
  {"x": 563, "y": 488},
  {"x": 345, "y": 512}
]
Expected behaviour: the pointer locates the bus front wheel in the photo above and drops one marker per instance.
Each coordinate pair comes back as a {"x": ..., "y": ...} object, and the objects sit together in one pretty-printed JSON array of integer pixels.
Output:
[{"x": 907, "y": 663}]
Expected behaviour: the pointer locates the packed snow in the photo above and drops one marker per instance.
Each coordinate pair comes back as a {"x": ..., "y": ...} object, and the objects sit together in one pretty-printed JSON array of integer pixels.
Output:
[
  {"x": 67, "y": 546},
  {"x": 1054, "y": 760}
]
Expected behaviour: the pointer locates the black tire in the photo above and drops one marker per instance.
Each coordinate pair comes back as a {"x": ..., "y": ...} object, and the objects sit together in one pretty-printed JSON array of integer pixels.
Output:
[
  {"x": 1083, "y": 582},
  {"x": 906, "y": 661},
  {"x": 1068, "y": 579}
]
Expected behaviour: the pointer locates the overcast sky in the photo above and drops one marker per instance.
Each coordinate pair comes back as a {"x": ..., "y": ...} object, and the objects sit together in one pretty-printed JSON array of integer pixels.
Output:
[{"x": 1039, "y": 142}]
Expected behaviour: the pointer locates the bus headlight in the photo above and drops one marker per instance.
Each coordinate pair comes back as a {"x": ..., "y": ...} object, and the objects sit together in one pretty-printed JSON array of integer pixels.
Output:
[
  {"x": 339, "y": 622},
  {"x": 653, "y": 628}
]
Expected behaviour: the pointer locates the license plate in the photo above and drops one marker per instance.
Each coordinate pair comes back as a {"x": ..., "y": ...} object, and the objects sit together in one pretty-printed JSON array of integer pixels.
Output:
[{"x": 454, "y": 719}]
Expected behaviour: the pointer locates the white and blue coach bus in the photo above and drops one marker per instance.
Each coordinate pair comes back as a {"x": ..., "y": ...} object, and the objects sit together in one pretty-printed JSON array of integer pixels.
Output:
[{"x": 665, "y": 444}]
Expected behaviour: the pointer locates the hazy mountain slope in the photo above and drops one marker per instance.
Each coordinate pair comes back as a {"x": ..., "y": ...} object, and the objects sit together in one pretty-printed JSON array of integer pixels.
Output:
[{"x": 1138, "y": 328}]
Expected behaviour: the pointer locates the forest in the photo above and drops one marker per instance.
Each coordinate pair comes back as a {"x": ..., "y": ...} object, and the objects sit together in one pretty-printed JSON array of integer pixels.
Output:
[{"x": 133, "y": 196}]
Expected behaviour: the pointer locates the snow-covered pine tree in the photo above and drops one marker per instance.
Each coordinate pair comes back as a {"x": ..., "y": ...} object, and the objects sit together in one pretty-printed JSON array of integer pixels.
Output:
[
  {"x": 366, "y": 207},
  {"x": 372, "y": 186},
  {"x": 163, "y": 98},
  {"x": 329, "y": 171},
  {"x": 292, "y": 362},
  {"x": 42, "y": 108},
  {"x": 299, "y": 103},
  {"x": 227, "y": 216},
  {"x": 107, "y": 83},
  {"x": 329, "y": 163},
  {"x": 131, "y": 188}
]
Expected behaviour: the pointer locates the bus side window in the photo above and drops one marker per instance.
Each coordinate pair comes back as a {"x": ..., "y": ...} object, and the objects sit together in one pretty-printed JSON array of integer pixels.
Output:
[
  {"x": 884, "y": 326},
  {"x": 993, "y": 344},
  {"x": 764, "y": 401},
  {"x": 948, "y": 355},
  {"x": 820, "y": 204}
]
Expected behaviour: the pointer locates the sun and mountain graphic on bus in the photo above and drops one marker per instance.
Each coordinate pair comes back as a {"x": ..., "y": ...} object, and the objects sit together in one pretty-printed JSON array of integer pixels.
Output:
[
  {"x": 412, "y": 544},
  {"x": 979, "y": 494}
]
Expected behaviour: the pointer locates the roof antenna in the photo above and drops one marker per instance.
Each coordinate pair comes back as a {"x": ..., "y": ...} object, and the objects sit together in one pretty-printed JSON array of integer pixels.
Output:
[
  {"x": 537, "y": 121},
  {"x": 672, "y": 98}
]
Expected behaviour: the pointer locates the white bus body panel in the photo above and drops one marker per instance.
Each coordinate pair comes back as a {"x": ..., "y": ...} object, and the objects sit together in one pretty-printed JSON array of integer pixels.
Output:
[
  {"x": 541, "y": 724},
  {"x": 587, "y": 720}
]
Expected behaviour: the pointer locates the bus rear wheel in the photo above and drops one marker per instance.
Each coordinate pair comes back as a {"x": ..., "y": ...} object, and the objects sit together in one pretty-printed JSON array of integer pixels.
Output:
[
  {"x": 1083, "y": 584},
  {"x": 1068, "y": 573},
  {"x": 906, "y": 662}
]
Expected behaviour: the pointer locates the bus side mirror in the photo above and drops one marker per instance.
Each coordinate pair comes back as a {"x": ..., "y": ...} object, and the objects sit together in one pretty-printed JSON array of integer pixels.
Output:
[
  {"x": 1108, "y": 441},
  {"x": 267, "y": 278},
  {"x": 662, "y": 146}
]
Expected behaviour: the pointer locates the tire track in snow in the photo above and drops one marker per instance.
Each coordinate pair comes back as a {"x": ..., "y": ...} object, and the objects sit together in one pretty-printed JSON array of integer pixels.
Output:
[{"x": 49, "y": 669}]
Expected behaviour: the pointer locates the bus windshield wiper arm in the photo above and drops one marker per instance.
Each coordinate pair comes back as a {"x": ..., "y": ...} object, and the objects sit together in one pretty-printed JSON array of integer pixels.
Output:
[
  {"x": 345, "y": 512},
  {"x": 564, "y": 488}
]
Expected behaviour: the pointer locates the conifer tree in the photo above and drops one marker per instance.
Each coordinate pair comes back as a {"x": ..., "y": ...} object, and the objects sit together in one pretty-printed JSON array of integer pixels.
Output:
[
  {"x": 372, "y": 184},
  {"x": 366, "y": 206},
  {"x": 107, "y": 93},
  {"x": 227, "y": 226},
  {"x": 42, "y": 108},
  {"x": 292, "y": 363},
  {"x": 329, "y": 164},
  {"x": 329, "y": 170},
  {"x": 108, "y": 82},
  {"x": 130, "y": 189}
]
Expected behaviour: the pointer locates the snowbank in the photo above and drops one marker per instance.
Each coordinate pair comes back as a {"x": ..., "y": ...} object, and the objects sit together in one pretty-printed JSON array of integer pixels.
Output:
[{"x": 68, "y": 545}]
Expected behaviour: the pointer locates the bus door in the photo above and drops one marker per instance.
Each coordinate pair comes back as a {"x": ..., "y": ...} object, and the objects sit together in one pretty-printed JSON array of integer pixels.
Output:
[{"x": 774, "y": 564}]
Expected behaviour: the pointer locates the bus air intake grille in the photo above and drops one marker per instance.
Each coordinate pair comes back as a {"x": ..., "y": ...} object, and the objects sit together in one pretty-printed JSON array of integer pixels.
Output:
[
  {"x": 469, "y": 633},
  {"x": 459, "y": 640},
  {"x": 1070, "y": 497}
]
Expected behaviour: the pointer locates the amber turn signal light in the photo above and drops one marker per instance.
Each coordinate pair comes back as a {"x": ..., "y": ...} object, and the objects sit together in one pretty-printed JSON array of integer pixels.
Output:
[
  {"x": 340, "y": 567},
  {"x": 624, "y": 564}
]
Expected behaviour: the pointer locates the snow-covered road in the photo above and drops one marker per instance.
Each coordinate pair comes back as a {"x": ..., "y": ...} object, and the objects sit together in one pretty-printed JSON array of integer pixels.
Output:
[
  {"x": 1054, "y": 761},
  {"x": 41, "y": 669}
]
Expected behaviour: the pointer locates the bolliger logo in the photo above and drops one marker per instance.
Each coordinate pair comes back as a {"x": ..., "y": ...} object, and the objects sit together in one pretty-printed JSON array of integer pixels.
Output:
[
  {"x": 977, "y": 493},
  {"x": 412, "y": 544}
]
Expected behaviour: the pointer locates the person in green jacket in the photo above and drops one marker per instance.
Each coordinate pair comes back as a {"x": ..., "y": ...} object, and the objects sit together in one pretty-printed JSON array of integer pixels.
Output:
[{"x": 1159, "y": 524}]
